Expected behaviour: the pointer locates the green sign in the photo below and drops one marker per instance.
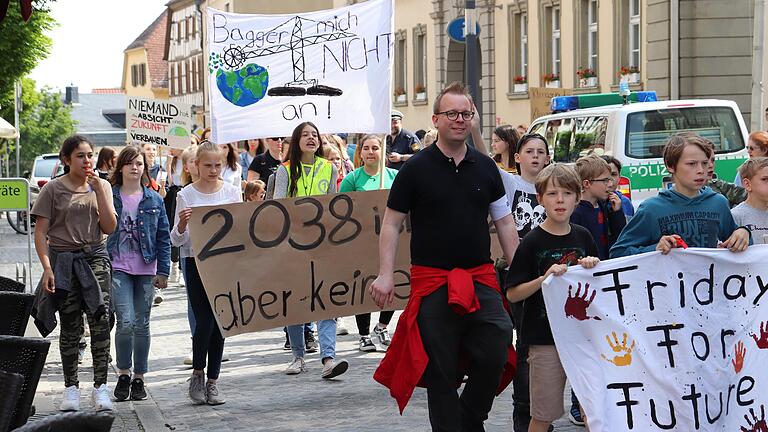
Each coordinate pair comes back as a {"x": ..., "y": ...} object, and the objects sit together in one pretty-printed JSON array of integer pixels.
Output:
[{"x": 14, "y": 194}]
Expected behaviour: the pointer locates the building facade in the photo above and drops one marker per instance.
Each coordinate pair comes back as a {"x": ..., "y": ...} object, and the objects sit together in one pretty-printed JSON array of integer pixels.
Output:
[{"x": 145, "y": 72}]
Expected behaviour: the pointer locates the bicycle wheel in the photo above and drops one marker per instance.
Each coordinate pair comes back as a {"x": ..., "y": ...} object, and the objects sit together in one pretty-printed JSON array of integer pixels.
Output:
[{"x": 18, "y": 221}]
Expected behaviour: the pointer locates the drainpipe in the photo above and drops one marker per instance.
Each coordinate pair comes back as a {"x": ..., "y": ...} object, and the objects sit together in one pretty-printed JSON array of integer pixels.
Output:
[
  {"x": 674, "y": 49},
  {"x": 756, "y": 109},
  {"x": 472, "y": 69}
]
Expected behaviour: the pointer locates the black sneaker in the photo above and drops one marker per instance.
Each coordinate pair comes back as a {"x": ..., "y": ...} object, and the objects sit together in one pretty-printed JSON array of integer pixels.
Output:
[
  {"x": 366, "y": 345},
  {"x": 287, "y": 345},
  {"x": 123, "y": 388},
  {"x": 137, "y": 389},
  {"x": 310, "y": 344},
  {"x": 575, "y": 415}
]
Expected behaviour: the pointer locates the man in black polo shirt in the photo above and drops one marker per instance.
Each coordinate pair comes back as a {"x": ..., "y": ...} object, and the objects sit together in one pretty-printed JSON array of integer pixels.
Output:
[
  {"x": 402, "y": 144},
  {"x": 264, "y": 165},
  {"x": 448, "y": 189}
]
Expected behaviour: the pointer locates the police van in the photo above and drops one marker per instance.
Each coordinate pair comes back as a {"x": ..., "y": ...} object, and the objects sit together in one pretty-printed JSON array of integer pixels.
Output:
[{"x": 635, "y": 134}]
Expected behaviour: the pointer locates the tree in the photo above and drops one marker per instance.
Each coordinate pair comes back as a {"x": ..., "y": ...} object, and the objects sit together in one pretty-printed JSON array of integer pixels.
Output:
[
  {"x": 24, "y": 45},
  {"x": 45, "y": 122}
]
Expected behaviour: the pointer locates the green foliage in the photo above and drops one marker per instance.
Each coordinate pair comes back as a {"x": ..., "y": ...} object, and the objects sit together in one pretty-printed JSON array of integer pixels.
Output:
[{"x": 45, "y": 122}]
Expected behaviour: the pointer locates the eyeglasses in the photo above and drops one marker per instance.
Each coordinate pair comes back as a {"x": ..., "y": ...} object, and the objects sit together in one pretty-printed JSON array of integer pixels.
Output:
[
  {"x": 274, "y": 139},
  {"x": 454, "y": 115},
  {"x": 606, "y": 180}
]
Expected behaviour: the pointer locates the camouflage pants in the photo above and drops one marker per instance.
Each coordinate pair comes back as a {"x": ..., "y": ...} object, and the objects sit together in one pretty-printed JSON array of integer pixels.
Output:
[{"x": 71, "y": 316}]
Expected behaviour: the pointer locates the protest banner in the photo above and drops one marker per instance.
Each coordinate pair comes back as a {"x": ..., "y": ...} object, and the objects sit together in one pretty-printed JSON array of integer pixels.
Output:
[
  {"x": 268, "y": 73},
  {"x": 541, "y": 98},
  {"x": 158, "y": 122},
  {"x": 677, "y": 342},
  {"x": 289, "y": 261}
]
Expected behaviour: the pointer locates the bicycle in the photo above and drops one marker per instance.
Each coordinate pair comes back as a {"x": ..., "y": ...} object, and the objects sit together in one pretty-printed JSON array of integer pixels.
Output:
[{"x": 18, "y": 219}]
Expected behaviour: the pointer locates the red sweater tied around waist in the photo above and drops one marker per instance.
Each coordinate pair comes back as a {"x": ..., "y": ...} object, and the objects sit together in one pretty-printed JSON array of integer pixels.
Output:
[{"x": 406, "y": 360}]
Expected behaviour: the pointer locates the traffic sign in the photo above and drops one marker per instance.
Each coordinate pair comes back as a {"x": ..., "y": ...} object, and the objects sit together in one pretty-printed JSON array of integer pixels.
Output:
[{"x": 456, "y": 30}]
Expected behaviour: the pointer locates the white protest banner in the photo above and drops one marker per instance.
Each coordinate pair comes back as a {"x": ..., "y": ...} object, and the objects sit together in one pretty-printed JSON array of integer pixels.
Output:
[
  {"x": 158, "y": 122},
  {"x": 677, "y": 342},
  {"x": 268, "y": 73}
]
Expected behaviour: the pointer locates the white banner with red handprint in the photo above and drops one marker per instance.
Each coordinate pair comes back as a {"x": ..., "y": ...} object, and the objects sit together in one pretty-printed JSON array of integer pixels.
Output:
[{"x": 677, "y": 342}]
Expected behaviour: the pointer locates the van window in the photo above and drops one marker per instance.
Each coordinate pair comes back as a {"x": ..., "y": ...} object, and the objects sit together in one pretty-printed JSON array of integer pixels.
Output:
[
  {"x": 559, "y": 135},
  {"x": 538, "y": 128},
  {"x": 648, "y": 131}
]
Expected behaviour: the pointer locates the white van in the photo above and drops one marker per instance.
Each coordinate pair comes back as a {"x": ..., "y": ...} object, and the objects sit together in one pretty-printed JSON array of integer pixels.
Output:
[{"x": 635, "y": 134}]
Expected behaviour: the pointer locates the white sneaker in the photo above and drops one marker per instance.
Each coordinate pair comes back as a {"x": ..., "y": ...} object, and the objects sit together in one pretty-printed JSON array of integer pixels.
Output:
[
  {"x": 158, "y": 296},
  {"x": 341, "y": 329},
  {"x": 70, "y": 399},
  {"x": 188, "y": 359},
  {"x": 100, "y": 398},
  {"x": 333, "y": 368},
  {"x": 296, "y": 367}
]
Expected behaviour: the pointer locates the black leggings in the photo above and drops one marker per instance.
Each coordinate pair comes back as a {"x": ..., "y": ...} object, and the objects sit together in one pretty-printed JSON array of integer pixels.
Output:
[
  {"x": 207, "y": 340},
  {"x": 364, "y": 321}
]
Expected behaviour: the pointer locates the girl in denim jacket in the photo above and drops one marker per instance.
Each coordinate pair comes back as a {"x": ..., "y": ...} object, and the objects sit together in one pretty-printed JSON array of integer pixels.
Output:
[{"x": 140, "y": 249}]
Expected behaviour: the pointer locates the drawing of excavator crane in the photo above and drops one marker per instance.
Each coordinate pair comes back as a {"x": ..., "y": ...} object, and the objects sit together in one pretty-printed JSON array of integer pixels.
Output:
[{"x": 235, "y": 56}]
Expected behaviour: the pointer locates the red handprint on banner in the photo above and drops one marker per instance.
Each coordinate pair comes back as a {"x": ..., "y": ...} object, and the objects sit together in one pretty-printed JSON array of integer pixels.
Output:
[
  {"x": 576, "y": 306},
  {"x": 762, "y": 343},
  {"x": 741, "y": 352},
  {"x": 756, "y": 424}
]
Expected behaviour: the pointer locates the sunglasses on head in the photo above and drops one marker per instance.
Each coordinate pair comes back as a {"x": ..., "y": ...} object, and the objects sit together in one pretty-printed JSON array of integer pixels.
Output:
[{"x": 275, "y": 138}]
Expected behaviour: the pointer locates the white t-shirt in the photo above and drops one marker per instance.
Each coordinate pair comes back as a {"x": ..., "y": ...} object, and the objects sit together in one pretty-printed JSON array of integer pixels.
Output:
[
  {"x": 233, "y": 177},
  {"x": 523, "y": 203},
  {"x": 754, "y": 219},
  {"x": 191, "y": 197}
]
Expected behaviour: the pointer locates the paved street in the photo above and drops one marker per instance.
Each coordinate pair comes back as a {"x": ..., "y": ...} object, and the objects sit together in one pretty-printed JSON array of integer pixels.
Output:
[{"x": 259, "y": 396}]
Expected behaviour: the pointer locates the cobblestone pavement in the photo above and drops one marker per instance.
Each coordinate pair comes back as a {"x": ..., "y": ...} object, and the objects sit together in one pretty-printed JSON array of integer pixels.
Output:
[{"x": 259, "y": 396}]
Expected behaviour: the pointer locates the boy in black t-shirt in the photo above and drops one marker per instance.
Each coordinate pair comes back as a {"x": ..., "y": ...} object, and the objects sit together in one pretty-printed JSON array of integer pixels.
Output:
[{"x": 548, "y": 249}]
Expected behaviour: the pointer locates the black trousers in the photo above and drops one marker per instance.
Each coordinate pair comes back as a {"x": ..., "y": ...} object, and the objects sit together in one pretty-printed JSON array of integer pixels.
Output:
[
  {"x": 521, "y": 398},
  {"x": 485, "y": 336},
  {"x": 207, "y": 341},
  {"x": 364, "y": 321}
]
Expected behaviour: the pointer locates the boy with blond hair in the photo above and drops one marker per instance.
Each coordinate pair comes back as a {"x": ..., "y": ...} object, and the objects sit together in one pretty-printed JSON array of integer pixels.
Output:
[
  {"x": 548, "y": 249},
  {"x": 599, "y": 210},
  {"x": 753, "y": 213}
]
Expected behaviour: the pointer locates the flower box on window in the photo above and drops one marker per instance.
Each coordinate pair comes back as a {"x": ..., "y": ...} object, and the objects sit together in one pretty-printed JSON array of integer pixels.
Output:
[
  {"x": 400, "y": 95},
  {"x": 520, "y": 84},
  {"x": 630, "y": 74},
  {"x": 420, "y": 92},
  {"x": 552, "y": 80},
  {"x": 587, "y": 77}
]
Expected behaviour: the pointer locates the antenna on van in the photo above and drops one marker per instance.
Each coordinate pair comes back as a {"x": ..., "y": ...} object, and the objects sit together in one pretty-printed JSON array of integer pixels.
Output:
[{"x": 624, "y": 91}]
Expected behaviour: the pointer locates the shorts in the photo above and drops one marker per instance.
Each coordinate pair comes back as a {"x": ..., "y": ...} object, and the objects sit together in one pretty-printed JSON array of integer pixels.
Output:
[{"x": 547, "y": 383}]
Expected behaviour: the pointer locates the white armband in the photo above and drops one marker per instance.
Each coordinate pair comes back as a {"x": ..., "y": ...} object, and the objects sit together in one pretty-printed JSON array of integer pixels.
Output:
[{"x": 500, "y": 208}]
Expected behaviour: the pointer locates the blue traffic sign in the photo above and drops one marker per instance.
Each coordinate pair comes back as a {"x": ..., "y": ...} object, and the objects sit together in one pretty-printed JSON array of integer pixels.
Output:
[{"x": 456, "y": 29}]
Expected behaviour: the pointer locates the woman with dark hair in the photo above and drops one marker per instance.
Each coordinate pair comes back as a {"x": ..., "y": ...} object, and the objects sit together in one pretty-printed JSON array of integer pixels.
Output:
[
  {"x": 253, "y": 148},
  {"x": 106, "y": 162},
  {"x": 307, "y": 173},
  {"x": 74, "y": 216},
  {"x": 231, "y": 171},
  {"x": 503, "y": 142},
  {"x": 140, "y": 249}
]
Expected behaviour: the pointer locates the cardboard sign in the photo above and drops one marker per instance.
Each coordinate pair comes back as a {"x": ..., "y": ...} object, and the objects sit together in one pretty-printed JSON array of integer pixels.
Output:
[
  {"x": 268, "y": 73},
  {"x": 290, "y": 261},
  {"x": 677, "y": 342},
  {"x": 541, "y": 98},
  {"x": 158, "y": 122}
]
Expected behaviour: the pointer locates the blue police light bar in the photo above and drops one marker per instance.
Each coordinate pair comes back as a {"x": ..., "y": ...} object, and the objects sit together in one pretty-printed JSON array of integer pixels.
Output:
[{"x": 569, "y": 103}]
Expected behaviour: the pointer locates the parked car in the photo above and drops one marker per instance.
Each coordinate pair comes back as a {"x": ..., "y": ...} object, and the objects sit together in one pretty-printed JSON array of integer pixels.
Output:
[{"x": 43, "y": 169}]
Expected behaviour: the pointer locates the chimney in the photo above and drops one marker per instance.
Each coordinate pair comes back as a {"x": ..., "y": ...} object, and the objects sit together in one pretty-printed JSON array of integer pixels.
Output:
[{"x": 71, "y": 96}]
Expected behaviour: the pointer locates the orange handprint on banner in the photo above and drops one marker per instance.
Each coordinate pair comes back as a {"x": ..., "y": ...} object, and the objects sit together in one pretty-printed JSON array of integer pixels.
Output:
[
  {"x": 738, "y": 362},
  {"x": 623, "y": 355}
]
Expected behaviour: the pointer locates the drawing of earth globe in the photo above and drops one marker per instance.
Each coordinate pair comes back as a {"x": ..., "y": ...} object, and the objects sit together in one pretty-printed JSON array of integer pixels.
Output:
[
  {"x": 244, "y": 86},
  {"x": 177, "y": 131}
]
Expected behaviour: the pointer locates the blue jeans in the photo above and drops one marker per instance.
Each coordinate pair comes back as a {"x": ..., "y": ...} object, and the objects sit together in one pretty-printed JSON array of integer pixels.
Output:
[
  {"x": 190, "y": 313},
  {"x": 132, "y": 298},
  {"x": 326, "y": 332}
]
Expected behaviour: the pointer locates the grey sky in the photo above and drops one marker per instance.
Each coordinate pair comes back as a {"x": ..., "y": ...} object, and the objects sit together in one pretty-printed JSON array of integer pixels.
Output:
[{"x": 88, "y": 44}]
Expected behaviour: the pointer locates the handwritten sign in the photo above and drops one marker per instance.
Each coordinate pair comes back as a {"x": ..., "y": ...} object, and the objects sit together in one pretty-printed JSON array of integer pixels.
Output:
[
  {"x": 677, "y": 342},
  {"x": 280, "y": 262},
  {"x": 158, "y": 122},
  {"x": 268, "y": 73},
  {"x": 541, "y": 97}
]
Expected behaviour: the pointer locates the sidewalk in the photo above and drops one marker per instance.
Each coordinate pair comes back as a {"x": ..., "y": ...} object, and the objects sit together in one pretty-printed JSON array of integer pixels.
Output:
[{"x": 259, "y": 396}]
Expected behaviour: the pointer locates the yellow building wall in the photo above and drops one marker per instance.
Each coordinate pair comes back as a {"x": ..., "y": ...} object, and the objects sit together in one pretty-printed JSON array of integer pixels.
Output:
[{"x": 134, "y": 57}]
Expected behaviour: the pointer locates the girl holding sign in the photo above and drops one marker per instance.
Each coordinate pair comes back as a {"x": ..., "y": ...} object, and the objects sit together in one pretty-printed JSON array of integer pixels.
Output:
[
  {"x": 366, "y": 178},
  {"x": 207, "y": 342},
  {"x": 74, "y": 216},
  {"x": 307, "y": 173}
]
